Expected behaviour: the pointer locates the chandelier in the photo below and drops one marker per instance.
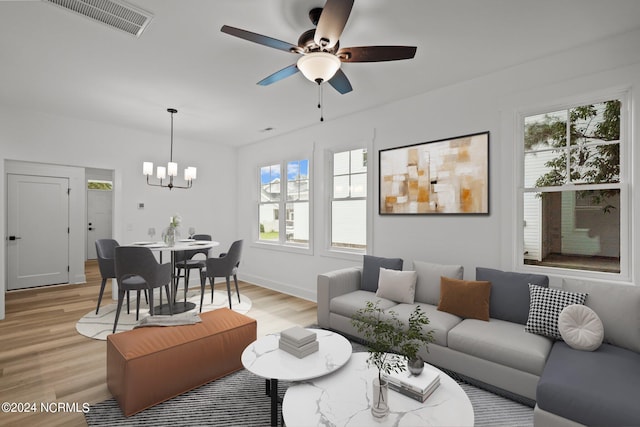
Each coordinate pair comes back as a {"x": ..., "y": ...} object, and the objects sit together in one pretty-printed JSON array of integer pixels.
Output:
[{"x": 172, "y": 168}]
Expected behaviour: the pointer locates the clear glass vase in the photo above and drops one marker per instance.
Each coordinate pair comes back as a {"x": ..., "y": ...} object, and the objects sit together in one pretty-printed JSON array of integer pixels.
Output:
[
  {"x": 380, "y": 405},
  {"x": 169, "y": 236}
]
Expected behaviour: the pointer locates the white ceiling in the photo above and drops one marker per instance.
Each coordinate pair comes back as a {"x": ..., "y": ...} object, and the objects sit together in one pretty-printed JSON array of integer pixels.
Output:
[{"x": 53, "y": 60}]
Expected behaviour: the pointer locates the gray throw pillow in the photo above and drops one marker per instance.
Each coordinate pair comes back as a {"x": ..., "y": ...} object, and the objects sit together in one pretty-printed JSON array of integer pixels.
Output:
[
  {"x": 371, "y": 270},
  {"x": 510, "y": 293}
]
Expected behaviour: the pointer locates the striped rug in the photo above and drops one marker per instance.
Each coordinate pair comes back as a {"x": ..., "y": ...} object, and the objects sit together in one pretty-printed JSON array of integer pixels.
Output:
[{"x": 239, "y": 400}]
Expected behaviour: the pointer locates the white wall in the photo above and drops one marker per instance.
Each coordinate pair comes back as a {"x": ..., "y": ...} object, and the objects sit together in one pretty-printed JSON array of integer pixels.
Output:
[
  {"x": 488, "y": 103},
  {"x": 209, "y": 206}
]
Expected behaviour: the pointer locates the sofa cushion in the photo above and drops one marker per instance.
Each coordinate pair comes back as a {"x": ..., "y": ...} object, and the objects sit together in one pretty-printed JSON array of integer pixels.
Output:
[
  {"x": 465, "y": 298},
  {"x": 429, "y": 274},
  {"x": 617, "y": 305},
  {"x": 371, "y": 270},
  {"x": 546, "y": 305},
  {"x": 510, "y": 293},
  {"x": 439, "y": 321},
  {"x": 598, "y": 388},
  {"x": 347, "y": 304},
  {"x": 580, "y": 327},
  {"x": 501, "y": 342},
  {"x": 398, "y": 286}
]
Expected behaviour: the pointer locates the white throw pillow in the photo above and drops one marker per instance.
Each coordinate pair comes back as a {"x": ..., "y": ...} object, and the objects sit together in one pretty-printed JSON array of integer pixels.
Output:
[
  {"x": 580, "y": 327},
  {"x": 398, "y": 286}
]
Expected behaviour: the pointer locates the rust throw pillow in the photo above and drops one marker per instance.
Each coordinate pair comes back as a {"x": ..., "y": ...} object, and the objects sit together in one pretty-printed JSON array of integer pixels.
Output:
[{"x": 465, "y": 298}]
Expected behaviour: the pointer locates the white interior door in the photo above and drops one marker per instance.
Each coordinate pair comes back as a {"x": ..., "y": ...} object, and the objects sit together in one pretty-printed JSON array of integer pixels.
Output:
[
  {"x": 38, "y": 231},
  {"x": 99, "y": 219}
]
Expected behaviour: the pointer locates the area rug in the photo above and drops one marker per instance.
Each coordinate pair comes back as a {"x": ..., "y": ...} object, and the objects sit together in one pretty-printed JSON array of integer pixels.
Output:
[
  {"x": 98, "y": 326},
  {"x": 239, "y": 400}
]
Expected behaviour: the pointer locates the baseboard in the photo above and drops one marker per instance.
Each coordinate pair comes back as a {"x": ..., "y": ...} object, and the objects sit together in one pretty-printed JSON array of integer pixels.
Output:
[{"x": 278, "y": 287}]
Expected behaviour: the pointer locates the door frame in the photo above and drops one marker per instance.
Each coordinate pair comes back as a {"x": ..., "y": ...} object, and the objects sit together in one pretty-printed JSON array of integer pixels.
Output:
[{"x": 77, "y": 208}]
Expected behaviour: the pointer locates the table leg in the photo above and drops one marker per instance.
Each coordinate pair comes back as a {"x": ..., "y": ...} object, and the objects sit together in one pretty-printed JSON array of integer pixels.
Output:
[
  {"x": 274, "y": 401},
  {"x": 183, "y": 307}
]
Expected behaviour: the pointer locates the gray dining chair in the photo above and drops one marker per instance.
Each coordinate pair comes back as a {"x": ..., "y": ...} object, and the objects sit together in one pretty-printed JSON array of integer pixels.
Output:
[
  {"x": 137, "y": 270},
  {"x": 226, "y": 265},
  {"x": 105, "y": 250},
  {"x": 187, "y": 261}
]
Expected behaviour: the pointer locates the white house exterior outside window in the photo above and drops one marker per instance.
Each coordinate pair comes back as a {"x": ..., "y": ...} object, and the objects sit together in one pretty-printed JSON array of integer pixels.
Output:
[
  {"x": 284, "y": 206},
  {"x": 574, "y": 198},
  {"x": 349, "y": 200}
]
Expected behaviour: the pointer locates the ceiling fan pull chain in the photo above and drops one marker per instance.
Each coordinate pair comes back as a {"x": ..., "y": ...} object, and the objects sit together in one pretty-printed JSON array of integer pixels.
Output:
[{"x": 320, "y": 101}]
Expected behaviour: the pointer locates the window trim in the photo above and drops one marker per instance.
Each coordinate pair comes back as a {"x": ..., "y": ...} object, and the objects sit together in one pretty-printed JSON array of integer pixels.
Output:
[{"x": 624, "y": 185}]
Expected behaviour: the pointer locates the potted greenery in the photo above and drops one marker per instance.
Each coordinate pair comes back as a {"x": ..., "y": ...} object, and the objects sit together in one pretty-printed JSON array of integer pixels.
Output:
[{"x": 386, "y": 334}]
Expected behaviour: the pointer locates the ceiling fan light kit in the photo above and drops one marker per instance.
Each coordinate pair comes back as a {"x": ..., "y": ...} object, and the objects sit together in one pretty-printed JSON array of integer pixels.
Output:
[
  {"x": 190, "y": 173},
  {"x": 318, "y": 66}
]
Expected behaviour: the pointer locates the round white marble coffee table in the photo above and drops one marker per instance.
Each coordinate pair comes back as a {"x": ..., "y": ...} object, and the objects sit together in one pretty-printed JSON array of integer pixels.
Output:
[
  {"x": 264, "y": 358},
  {"x": 344, "y": 398}
]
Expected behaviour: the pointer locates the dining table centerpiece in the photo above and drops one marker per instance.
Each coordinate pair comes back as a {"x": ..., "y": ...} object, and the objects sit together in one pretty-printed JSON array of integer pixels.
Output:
[
  {"x": 171, "y": 232},
  {"x": 392, "y": 345}
]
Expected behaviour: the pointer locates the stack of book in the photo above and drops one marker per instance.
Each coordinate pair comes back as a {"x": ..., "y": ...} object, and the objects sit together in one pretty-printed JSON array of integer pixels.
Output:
[
  {"x": 298, "y": 341},
  {"x": 417, "y": 387}
]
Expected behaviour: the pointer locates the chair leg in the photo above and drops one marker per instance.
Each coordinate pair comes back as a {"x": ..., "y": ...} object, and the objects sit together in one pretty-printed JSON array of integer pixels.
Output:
[
  {"x": 120, "y": 300},
  {"x": 176, "y": 284},
  {"x": 146, "y": 296},
  {"x": 186, "y": 285},
  {"x": 128, "y": 296},
  {"x": 229, "y": 290},
  {"x": 104, "y": 282},
  {"x": 235, "y": 279},
  {"x": 151, "y": 299},
  {"x": 138, "y": 305},
  {"x": 166, "y": 288},
  {"x": 203, "y": 282}
]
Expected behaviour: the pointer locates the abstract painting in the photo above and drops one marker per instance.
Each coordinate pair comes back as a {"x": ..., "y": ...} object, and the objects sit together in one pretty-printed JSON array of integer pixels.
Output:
[{"x": 449, "y": 176}]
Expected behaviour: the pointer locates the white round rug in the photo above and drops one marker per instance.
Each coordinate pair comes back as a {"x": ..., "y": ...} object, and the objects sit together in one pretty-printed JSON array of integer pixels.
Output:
[{"x": 98, "y": 326}]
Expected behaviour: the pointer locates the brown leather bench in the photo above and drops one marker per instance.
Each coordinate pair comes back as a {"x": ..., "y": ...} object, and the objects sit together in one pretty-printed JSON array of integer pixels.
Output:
[{"x": 149, "y": 365}]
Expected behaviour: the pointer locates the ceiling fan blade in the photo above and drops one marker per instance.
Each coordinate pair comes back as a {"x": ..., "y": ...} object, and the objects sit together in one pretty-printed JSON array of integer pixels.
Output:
[
  {"x": 260, "y": 39},
  {"x": 340, "y": 82},
  {"x": 279, "y": 75},
  {"x": 332, "y": 21},
  {"x": 376, "y": 53}
]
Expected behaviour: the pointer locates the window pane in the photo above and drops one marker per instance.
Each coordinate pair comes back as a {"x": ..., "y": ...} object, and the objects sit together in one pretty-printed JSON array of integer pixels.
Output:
[
  {"x": 269, "y": 222},
  {"x": 270, "y": 183},
  {"x": 358, "y": 161},
  {"x": 544, "y": 168},
  {"x": 573, "y": 229},
  {"x": 341, "y": 163},
  {"x": 297, "y": 223},
  {"x": 595, "y": 123},
  {"x": 595, "y": 164},
  {"x": 359, "y": 185},
  {"x": 349, "y": 225},
  {"x": 341, "y": 187},
  {"x": 544, "y": 131}
]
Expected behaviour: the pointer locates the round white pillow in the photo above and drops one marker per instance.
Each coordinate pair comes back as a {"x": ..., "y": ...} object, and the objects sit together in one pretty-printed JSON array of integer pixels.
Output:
[{"x": 580, "y": 327}]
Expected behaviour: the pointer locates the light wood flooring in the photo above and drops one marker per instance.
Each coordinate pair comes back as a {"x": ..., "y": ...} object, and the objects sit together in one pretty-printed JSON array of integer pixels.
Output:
[{"x": 43, "y": 359}]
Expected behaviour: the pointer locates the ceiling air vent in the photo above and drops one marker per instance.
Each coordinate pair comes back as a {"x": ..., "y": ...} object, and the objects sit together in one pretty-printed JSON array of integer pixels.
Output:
[{"x": 116, "y": 14}]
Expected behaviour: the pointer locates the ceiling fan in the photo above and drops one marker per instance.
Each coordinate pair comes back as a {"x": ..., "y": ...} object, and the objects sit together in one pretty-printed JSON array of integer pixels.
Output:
[{"x": 321, "y": 55}]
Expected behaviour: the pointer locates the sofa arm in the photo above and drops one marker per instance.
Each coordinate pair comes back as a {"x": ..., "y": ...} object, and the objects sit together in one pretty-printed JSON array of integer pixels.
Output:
[{"x": 333, "y": 284}]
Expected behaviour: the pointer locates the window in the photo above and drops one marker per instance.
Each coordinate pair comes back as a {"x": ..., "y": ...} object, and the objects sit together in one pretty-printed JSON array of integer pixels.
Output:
[
  {"x": 290, "y": 199},
  {"x": 349, "y": 200},
  {"x": 573, "y": 188}
]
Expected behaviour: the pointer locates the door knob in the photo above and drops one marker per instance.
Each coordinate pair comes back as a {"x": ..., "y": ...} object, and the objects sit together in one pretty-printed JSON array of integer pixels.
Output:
[{"x": 14, "y": 238}]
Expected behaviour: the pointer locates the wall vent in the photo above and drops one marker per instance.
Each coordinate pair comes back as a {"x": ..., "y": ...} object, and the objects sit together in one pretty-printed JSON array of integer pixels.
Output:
[{"x": 116, "y": 14}]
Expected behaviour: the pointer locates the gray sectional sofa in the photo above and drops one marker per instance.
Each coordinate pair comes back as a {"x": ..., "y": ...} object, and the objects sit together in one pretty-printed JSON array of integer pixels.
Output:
[{"x": 568, "y": 387}]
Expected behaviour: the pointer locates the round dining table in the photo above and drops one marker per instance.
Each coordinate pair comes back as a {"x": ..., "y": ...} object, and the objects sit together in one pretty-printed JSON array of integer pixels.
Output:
[{"x": 180, "y": 245}]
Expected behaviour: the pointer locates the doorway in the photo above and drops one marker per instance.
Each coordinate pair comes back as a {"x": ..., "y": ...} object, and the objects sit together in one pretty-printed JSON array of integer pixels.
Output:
[{"x": 99, "y": 208}]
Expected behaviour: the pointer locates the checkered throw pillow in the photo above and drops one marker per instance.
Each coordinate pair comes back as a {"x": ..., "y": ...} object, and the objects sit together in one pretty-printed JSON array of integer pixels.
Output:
[{"x": 545, "y": 307}]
